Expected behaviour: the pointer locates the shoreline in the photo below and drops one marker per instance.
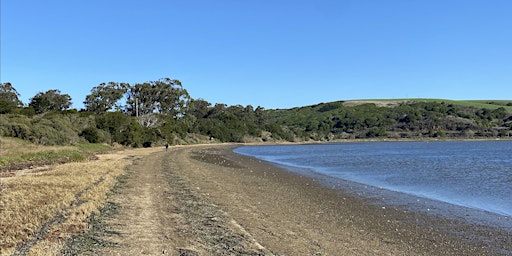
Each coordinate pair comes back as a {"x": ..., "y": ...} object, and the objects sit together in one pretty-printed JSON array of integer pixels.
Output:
[
  {"x": 423, "y": 233},
  {"x": 418, "y": 139}
]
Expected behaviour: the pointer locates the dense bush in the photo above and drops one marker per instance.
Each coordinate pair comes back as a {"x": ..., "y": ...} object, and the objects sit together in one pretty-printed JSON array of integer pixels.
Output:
[
  {"x": 91, "y": 134},
  {"x": 55, "y": 128},
  {"x": 17, "y": 126},
  {"x": 16, "y": 130}
]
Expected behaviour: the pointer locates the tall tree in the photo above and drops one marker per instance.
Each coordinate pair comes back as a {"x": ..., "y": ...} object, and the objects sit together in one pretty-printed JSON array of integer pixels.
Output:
[
  {"x": 51, "y": 100},
  {"x": 105, "y": 96},
  {"x": 8, "y": 98},
  {"x": 198, "y": 108},
  {"x": 172, "y": 98},
  {"x": 165, "y": 96},
  {"x": 139, "y": 100}
]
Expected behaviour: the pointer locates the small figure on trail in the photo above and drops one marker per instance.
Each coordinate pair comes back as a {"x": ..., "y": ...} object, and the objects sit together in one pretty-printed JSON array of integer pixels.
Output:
[{"x": 166, "y": 146}]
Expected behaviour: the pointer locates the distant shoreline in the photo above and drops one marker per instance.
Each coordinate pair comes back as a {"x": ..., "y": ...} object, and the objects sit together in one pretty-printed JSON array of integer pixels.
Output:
[{"x": 426, "y": 139}]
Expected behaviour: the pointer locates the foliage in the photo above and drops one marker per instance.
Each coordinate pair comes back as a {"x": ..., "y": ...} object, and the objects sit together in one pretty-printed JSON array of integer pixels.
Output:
[
  {"x": 414, "y": 119},
  {"x": 104, "y": 97},
  {"x": 123, "y": 129},
  {"x": 55, "y": 128},
  {"x": 16, "y": 126},
  {"x": 165, "y": 96},
  {"x": 9, "y": 100},
  {"x": 28, "y": 111},
  {"x": 51, "y": 100},
  {"x": 228, "y": 124},
  {"x": 91, "y": 134},
  {"x": 162, "y": 111}
]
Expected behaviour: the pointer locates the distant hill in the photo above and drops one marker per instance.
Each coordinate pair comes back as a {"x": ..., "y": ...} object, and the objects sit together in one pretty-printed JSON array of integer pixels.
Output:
[
  {"x": 397, "y": 118},
  {"x": 489, "y": 104}
]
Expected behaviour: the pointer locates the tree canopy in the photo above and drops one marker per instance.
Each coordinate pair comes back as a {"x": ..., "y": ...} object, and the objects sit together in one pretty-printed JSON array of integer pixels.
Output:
[
  {"x": 105, "y": 97},
  {"x": 9, "y": 98},
  {"x": 165, "y": 96},
  {"x": 51, "y": 100}
]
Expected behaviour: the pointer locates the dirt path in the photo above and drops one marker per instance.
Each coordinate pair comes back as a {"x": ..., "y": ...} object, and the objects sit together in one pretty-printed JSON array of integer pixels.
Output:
[
  {"x": 141, "y": 219},
  {"x": 205, "y": 200},
  {"x": 160, "y": 214}
]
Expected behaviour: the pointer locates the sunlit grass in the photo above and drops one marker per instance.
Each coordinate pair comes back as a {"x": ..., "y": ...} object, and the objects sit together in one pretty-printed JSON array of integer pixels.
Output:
[
  {"x": 40, "y": 210},
  {"x": 18, "y": 153},
  {"x": 92, "y": 147},
  {"x": 13, "y": 147}
]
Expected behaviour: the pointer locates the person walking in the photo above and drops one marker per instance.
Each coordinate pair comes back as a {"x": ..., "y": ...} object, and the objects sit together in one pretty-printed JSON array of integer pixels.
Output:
[{"x": 166, "y": 146}]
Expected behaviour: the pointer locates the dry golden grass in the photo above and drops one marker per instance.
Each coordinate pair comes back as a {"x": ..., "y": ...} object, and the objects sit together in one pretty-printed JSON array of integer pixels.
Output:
[
  {"x": 12, "y": 147},
  {"x": 39, "y": 211},
  {"x": 17, "y": 154}
]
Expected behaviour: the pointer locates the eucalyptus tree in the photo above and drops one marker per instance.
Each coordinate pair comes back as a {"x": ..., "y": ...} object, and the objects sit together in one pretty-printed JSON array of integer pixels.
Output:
[
  {"x": 172, "y": 98},
  {"x": 165, "y": 96},
  {"x": 199, "y": 108},
  {"x": 105, "y": 97},
  {"x": 9, "y": 98}
]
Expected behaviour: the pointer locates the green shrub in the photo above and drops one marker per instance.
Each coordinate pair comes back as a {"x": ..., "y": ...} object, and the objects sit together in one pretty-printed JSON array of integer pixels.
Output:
[
  {"x": 47, "y": 135},
  {"x": 55, "y": 128},
  {"x": 91, "y": 135},
  {"x": 16, "y": 130},
  {"x": 27, "y": 111}
]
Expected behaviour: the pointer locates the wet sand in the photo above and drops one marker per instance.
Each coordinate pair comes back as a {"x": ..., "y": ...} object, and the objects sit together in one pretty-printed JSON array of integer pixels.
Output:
[{"x": 292, "y": 214}]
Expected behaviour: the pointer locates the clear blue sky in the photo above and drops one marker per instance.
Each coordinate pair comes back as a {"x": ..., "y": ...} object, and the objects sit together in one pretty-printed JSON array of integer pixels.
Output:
[{"x": 269, "y": 53}]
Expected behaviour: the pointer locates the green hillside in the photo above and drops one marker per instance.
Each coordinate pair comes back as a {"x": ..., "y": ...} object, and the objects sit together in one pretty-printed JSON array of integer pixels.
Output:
[
  {"x": 396, "y": 118},
  {"x": 488, "y": 104}
]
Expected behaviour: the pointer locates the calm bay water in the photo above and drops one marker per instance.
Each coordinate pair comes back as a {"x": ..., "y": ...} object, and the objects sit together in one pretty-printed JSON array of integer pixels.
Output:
[{"x": 472, "y": 174}]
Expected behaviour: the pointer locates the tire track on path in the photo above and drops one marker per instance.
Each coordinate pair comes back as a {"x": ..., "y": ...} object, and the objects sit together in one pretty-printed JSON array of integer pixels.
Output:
[
  {"x": 160, "y": 213},
  {"x": 140, "y": 221}
]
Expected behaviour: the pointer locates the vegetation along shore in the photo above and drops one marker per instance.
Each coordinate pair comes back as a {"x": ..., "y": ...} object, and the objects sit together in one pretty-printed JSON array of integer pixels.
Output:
[{"x": 162, "y": 112}]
